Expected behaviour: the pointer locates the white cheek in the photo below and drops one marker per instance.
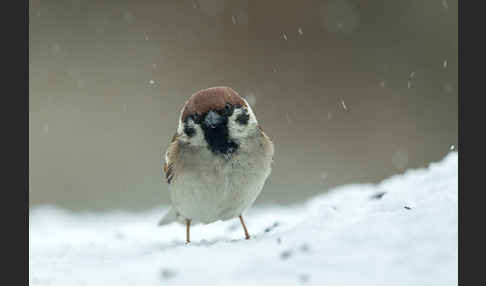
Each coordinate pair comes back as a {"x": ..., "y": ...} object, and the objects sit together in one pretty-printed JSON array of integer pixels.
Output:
[
  {"x": 196, "y": 140},
  {"x": 237, "y": 130}
]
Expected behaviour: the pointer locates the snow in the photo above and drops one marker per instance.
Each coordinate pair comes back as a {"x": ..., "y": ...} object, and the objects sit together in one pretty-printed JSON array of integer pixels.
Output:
[
  {"x": 402, "y": 231},
  {"x": 344, "y": 105}
]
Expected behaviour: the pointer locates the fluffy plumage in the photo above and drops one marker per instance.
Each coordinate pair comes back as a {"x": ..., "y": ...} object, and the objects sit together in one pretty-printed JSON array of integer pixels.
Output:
[{"x": 218, "y": 160}]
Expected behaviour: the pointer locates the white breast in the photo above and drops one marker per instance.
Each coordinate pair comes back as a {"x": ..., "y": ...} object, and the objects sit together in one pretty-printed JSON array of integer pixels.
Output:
[{"x": 209, "y": 188}]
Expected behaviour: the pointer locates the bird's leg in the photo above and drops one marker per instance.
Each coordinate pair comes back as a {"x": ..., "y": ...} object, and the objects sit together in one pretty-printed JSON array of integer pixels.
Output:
[
  {"x": 247, "y": 236},
  {"x": 188, "y": 226}
]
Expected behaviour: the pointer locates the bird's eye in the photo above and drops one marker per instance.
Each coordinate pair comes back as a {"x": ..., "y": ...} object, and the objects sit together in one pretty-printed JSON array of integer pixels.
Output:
[
  {"x": 243, "y": 118},
  {"x": 228, "y": 110},
  {"x": 188, "y": 128},
  {"x": 196, "y": 118}
]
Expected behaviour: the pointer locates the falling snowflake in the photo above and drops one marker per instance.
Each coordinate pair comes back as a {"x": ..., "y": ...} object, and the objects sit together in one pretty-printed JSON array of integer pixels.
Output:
[
  {"x": 274, "y": 70},
  {"x": 233, "y": 19},
  {"x": 409, "y": 84},
  {"x": 56, "y": 48},
  {"x": 445, "y": 64},
  {"x": 152, "y": 81},
  {"x": 329, "y": 115},
  {"x": 324, "y": 176},
  {"x": 288, "y": 118},
  {"x": 412, "y": 74},
  {"x": 146, "y": 37},
  {"x": 129, "y": 18},
  {"x": 445, "y": 5},
  {"x": 300, "y": 31},
  {"x": 285, "y": 36},
  {"x": 448, "y": 88},
  {"x": 383, "y": 84},
  {"x": 400, "y": 159},
  {"x": 452, "y": 148},
  {"x": 344, "y": 105}
]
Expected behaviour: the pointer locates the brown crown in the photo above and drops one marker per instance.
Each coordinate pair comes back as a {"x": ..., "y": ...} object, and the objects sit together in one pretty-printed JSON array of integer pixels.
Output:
[{"x": 213, "y": 98}]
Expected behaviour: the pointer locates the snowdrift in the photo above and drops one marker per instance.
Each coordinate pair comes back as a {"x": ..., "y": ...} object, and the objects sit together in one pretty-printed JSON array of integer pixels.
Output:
[{"x": 402, "y": 231}]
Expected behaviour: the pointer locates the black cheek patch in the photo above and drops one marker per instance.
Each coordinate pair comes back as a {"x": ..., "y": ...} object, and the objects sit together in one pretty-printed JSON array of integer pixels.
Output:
[
  {"x": 190, "y": 131},
  {"x": 243, "y": 119}
]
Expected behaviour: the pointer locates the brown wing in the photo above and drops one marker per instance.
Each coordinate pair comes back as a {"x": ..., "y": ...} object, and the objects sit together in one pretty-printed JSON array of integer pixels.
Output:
[
  {"x": 170, "y": 156},
  {"x": 169, "y": 172},
  {"x": 266, "y": 143}
]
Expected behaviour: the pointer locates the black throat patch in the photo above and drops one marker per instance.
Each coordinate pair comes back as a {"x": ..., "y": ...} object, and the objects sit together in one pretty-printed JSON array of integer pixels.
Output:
[
  {"x": 217, "y": 134},
  {"x": 218, "y": 139}
]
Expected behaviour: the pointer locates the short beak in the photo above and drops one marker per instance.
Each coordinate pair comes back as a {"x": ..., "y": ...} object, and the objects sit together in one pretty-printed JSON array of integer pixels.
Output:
[{"x": 213, "y": 119}]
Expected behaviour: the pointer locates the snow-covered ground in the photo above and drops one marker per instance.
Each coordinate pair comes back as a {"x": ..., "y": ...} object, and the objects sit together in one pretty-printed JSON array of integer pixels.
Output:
[{"x": 402, "y": 231}]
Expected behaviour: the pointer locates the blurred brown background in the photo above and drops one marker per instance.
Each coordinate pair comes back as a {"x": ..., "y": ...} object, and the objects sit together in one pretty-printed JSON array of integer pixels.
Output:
[{"x": 349, "y": 91}]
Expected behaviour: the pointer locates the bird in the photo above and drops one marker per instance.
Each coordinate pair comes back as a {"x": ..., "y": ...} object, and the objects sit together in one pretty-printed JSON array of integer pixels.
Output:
[{"x": 217, "y": 161}]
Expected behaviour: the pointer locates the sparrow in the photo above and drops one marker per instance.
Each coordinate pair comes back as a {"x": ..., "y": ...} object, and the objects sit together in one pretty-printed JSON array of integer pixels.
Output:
[{"x": 218, "y": 160}]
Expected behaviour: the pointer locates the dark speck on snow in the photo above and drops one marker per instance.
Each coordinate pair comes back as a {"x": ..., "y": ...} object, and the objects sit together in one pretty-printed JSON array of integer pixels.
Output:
[
  {"x": 377, "y": 196},
  {"x": 286, "y": 254},
  {"x": 304, "y": 278},
  {"x": 167, "y": 274},
  {"x": 270, "y": 228}
]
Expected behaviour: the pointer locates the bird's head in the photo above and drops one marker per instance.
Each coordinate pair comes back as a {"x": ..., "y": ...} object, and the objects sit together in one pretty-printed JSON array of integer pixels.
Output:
[{"x": 217, "y": 118}]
